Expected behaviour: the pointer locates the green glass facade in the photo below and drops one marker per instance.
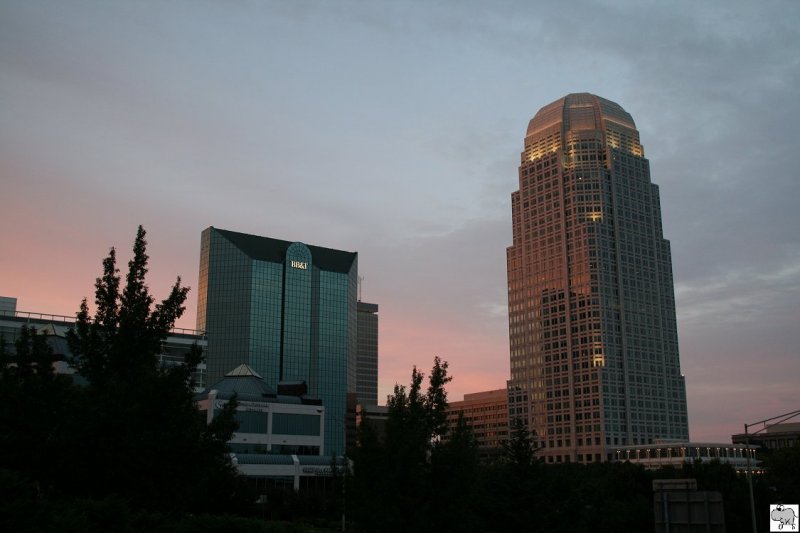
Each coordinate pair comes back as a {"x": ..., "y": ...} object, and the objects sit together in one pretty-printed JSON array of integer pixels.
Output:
[{"x": 286, "y": 309}]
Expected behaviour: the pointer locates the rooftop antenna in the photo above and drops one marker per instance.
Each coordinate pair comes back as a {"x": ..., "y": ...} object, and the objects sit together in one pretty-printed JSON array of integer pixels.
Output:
[{"x": 360, "y": 281}]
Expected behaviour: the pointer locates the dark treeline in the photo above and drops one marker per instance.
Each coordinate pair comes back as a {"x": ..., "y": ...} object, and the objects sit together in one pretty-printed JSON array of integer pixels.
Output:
[
  {"x": 123, "y": 448},
  {"x": 125, "y": 439},
  {"x": 412, "y": 480}
]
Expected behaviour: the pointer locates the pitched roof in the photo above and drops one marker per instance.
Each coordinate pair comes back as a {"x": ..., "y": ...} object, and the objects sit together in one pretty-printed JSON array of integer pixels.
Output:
[
  {"x": 243, "y": 370},
  {"x": 247, "y": 385}
]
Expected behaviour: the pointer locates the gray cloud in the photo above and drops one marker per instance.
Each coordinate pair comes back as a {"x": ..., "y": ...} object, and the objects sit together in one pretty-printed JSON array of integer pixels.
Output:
[{"x": 394, "y": 129}]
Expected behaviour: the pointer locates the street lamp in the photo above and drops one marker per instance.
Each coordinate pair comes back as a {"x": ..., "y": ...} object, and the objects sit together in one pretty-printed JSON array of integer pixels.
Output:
[{"x": 780, "y": 419}]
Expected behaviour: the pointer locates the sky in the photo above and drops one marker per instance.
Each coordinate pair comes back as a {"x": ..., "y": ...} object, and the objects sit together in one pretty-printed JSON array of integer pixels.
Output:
[{"x": 394, "y": 129}]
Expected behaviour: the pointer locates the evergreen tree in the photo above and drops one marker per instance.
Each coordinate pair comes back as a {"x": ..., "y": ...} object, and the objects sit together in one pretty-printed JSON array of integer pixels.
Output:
[
  {"x": 34, "y": 409},
  {"x": 436, "y": 400},
  {"x": 393, "y": 477},
  {"x": 141, "y": 435},
  {"x": 366, "y": 487},
  {"x": 783, "y": 473},
  {"x": 519, "y": 449},
  {"x": 454, "y": 474},
  {"x": 122, "y": 341},
  {"x": 405, "y": 453}
]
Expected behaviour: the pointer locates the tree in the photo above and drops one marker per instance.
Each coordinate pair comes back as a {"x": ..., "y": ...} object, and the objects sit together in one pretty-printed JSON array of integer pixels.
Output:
[
  {"x": 394, "y": 474},
  {"x": 407, "y": 424},
  {"x": 124, "y": 338},
  {"x": 454, "y": 473},
  {"x": 141, "y": 436},
  {"x": 404, "y": 458},
  {"x": 436, "y": 399},
  {"x": 34, "y": 413},
  {"x": 783, "y": 473},
  {"x": 519, "y": 449}
]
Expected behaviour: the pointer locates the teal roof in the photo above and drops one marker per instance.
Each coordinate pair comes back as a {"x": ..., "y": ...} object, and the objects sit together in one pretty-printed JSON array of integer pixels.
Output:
[
  {"x": 245, "y": 383},
  {"x": 248, "y": 385},
  {"x": 274, "y": 251}
]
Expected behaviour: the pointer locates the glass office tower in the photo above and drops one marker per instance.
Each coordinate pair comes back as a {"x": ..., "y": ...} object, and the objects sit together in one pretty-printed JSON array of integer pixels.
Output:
[
  {"x": 592, "y": 328},
  {"x": 367, "y": 365},
  {"x": 288, "y": 310}
]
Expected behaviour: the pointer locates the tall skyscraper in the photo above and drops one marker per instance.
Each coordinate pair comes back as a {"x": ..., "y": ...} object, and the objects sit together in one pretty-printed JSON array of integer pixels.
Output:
[
  {"x": 286, "y": 309},
  {"x": 592, "y": 328},
  {"x": 367, "y": 360}
]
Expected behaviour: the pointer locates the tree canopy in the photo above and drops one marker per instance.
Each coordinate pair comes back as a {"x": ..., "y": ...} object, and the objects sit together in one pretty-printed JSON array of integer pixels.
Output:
[
  {"x": 132, "y": 430},
  {"x": 412, "y": 476},
  {"x": 129, "y": 445}
]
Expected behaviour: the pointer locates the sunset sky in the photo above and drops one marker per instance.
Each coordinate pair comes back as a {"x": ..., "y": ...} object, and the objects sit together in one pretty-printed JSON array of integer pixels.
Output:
[{"x": 394, "y": 129}]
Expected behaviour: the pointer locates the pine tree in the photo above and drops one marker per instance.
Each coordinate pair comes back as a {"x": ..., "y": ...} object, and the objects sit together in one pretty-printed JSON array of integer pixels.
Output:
[
  {"x": 141, "y": 435},
  {"x": 395, "y": 475},
  {"x": 436, "y": 399},
  {"x": 32, "y": 414},
  {"x": 123, "y": 339},
  {"x": 454, "y": 472},
  {"x": 519, "y": 449}
]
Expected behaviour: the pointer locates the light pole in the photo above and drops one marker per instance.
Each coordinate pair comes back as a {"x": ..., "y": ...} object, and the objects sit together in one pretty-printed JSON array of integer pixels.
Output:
[{"x": 780, "y": 419}]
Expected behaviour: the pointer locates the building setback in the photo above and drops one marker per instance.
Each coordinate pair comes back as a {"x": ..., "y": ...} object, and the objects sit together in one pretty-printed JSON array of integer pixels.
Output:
[
  {"x": 287, "y": 310},
  {"x": 592, "y": 328}
]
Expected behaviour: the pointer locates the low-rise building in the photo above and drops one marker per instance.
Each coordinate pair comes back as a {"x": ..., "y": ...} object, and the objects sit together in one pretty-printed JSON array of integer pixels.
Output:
[
  {"x": 55, "y": 327},
  {"x": 487, "y": 414},
  {"x": 282, "y": 422},
  {"x": 775, "y": 437},
  {"x": 281, "y": 436},
  {"x": 676, "y": 453},
  {"x": 374, "y": 415}
]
